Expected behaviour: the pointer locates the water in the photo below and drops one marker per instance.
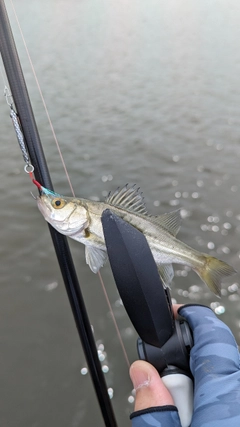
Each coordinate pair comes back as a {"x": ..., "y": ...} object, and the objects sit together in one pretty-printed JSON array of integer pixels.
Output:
[{"x": 138, "y": 92}]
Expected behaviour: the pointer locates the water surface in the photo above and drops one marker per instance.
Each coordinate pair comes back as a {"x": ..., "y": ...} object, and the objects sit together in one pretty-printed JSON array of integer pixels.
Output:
[{"x": 138, "y": 92}]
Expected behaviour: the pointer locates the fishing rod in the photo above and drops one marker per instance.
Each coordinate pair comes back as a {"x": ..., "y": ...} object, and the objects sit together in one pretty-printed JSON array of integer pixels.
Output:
[{"x": 25, "y": 117}]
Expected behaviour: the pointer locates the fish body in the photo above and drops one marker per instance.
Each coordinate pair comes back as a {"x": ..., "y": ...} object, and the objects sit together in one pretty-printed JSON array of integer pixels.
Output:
[{"x": 80, "y": 219}]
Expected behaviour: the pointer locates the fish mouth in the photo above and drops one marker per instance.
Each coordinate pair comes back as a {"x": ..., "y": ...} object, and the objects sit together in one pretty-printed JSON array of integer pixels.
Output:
[{"x": 44, "y": 209}]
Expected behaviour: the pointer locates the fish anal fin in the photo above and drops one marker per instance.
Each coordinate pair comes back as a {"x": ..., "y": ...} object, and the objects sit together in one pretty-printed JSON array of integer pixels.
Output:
[
  {"x": 95, "y": 258},
  {"x": 166, "y": 273},
  {"x": 170, "y": 221}
]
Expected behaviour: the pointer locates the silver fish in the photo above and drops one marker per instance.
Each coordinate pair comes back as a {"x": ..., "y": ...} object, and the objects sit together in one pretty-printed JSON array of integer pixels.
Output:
[{"x": 80, "y": 219}]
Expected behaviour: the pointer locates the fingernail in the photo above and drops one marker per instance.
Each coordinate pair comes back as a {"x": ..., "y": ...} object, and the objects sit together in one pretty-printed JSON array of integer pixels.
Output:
[{"x": 140, "y": 377}]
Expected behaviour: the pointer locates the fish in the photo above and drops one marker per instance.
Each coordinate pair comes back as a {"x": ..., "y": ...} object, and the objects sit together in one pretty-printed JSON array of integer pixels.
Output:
[{"x": 80, "y": 219}]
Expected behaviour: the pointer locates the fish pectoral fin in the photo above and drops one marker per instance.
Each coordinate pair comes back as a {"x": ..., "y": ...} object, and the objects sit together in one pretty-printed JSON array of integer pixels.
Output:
[
  {"x": 166, "y": 273},
  {"x": 171, "y": 221},
  {"x": 95, "y": 258}
]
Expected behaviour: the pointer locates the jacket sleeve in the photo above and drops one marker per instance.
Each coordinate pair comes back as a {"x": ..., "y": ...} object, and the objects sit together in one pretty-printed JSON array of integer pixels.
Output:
[
  {"x": 214, "y": 362},
  {"x": 158, "y": 416}
]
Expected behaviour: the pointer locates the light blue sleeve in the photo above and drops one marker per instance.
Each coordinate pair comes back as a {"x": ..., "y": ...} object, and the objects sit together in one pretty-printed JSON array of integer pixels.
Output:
[
  {"x": 215, "y": 365},
  {"x": 214, "y": 362}
]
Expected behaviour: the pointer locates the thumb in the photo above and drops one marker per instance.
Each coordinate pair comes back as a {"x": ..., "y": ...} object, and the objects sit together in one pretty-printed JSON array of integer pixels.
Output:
[{"x": 150, "y": 390}]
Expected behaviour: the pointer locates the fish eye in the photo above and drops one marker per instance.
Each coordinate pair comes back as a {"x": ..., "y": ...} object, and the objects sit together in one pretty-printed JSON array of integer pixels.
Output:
[{"x": 58, "y": 203}]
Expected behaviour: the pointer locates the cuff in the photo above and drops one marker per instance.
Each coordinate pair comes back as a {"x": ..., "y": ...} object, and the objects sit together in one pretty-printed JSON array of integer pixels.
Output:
[{"x": 157, "y": 416}]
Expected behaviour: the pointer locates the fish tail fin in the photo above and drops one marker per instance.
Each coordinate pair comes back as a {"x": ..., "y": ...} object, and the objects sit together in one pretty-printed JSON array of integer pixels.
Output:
[{"x": 213, "y": 271}]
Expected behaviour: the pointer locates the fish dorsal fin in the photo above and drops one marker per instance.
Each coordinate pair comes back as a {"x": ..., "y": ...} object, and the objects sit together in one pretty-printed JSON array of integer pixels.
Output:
[
  {"x": 171, "y": 221},
  {"x": 129, "y": 198}
]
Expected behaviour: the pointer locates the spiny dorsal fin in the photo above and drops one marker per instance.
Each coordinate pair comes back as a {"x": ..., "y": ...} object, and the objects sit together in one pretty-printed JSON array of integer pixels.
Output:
[
  {"x": 128, "y": 198},
  {"x": 171, "y": 221}
]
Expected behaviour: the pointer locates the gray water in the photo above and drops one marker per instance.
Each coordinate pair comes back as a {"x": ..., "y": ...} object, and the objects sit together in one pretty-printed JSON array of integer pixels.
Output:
[{"x": 138, "y": 92}]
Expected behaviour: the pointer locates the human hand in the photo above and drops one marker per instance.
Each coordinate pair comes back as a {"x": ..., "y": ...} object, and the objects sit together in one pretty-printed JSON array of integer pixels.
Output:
[{"x": 214, "y": 362}]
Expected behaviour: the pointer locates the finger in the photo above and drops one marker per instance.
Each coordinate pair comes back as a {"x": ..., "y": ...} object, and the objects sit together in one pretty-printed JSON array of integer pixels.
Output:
[
  {"x": 150, "y": 390},
  {"x": 175, "y": 308}
]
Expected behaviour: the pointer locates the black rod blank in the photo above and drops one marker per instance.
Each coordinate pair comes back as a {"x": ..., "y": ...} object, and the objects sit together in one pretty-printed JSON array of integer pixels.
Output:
[{"x": 23, "y": 106}]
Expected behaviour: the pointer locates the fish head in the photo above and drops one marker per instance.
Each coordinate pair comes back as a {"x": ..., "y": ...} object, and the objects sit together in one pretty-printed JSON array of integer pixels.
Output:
[{"x": 66, "y": 214}]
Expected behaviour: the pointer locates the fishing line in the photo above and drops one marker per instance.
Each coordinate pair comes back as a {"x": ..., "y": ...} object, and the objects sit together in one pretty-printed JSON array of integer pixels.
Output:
[
  {"x": 30, "y": 172},
  {"x": 114, "y": 320}
]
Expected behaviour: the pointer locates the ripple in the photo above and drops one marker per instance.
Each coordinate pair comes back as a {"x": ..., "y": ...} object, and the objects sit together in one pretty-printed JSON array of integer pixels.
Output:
[
  {"x": 195, "y": 195},
  {"x": 174, "y": 202},
  {"x": 220, "y": 310},
  {"x": 227, "y": 225},
  {"x": 194, "y": 288},
  {"x": 51, "y": 286},
  {"x": 185, "y": 213},
  {"x": 106, "y": 178},
  {"x": 225, "y": 250},
  {"x": 128, "y": 332},
  {"x": 118, "y": 303},
  {"x": 234, "y": 297},
  {"x": 210, "y": 218},
  {"x": 219, "y": 147},
  {"x": 233, "y": 288},
  {"x": 84, "y": 371},
  {"x": 176, "y": 158},
  {"x": 211, "y": 245},
  {"x": 209, "y": 142},
  {"x": 101, "y": 356},
  {"x": 110, "y": 392},
  {"x": 100, "y": 346},
  {"x": 200, "y": 241},
  {"x": 217, "y": 307}
]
